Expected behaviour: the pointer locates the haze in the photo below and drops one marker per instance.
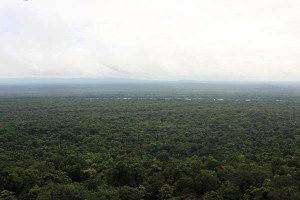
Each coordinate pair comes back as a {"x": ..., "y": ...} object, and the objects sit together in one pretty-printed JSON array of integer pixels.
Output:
[{"x": 254, "y": 40}]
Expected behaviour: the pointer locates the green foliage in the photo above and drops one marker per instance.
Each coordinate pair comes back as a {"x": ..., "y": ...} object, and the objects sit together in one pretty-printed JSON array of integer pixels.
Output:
[
  {"x": 154, "y": 146},
  {"x": 7, "y": 195},
  {"x": 211, "y": 195},
  {"x": 166, "y": 191},
  {"x": 72, "y": 191},
  {"x": 206, "y": 180},
  {"x": 231, "y": 191},
  {"x": 129, "y": 193}
]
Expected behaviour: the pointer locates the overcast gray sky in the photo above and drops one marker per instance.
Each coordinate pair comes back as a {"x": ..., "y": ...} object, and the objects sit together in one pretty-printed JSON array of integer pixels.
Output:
[{"x": 151, "y": 39}]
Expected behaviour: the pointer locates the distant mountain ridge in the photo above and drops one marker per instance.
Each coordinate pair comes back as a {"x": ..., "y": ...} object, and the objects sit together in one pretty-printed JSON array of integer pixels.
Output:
[
  {"x": 69, "y": 80},
  {"x": 89, "y": 80}
]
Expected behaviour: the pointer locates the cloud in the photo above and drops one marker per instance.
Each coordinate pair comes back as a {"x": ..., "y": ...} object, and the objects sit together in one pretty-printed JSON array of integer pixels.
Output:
[{"x": 169, "y": 39}]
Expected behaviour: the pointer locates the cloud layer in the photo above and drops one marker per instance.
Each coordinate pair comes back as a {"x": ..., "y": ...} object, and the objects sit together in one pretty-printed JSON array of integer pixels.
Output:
[{"x": 157, "y": 39}]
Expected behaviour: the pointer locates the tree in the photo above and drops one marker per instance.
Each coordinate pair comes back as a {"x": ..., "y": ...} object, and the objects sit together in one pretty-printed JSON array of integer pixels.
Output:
[
  {"x": 129, "y": 193},
  {"x": 211, "y": 195},
  {"x": 206, "y": 180},
  {"x": 72, "y": 191},
  {"x": 166, "y": 191}
]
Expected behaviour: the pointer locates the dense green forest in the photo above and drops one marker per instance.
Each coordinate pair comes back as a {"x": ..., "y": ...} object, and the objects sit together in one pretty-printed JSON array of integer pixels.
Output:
[{"x": 134, "y": 142}]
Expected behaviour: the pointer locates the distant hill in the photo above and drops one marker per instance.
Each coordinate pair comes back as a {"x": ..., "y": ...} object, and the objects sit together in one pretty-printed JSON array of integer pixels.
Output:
[
  {"x": 17, "y": 81},
  {"x": 88, "y": 80}
]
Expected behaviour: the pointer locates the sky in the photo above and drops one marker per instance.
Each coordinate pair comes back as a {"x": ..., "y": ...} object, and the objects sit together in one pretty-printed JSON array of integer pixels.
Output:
[{"x": 257, "y": 40}]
